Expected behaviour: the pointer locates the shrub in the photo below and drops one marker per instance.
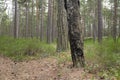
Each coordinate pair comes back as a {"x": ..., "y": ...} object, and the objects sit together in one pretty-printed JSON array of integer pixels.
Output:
[
  {"x": 19, "y": 49},
  {"x": 106, "y": 56}
]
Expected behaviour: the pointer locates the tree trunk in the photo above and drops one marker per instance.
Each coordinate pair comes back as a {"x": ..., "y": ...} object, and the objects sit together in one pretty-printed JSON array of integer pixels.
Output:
[
  {"x": 61, "y": 24},
  {"x": 16, "y": 20},
  {"x": 42, "y": 21},
  {"x": 115, "y": 21},
  {"x": 100, "y": 22},
  {"x": 37, "y": 19},
  {"x": 95, "y": 23},
  {"x": 75, "y": 32},
  {"x": 54, "y": 21},
  {"x": 32, "y": 14},
  {"x": 49, "y": 23},
  {"x": 27, "y": 15},
  {"x": 119, "y": 28}
]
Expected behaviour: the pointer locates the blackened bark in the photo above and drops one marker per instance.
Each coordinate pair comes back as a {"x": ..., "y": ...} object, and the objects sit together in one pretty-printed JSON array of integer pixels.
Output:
[
  {"x": 75, "y": 32},
  {"x": 65, "y": 4}
]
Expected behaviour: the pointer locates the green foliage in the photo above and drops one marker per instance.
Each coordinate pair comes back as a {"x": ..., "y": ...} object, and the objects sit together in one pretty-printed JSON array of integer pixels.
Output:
[
  {"x": 103, "y": 58},
  {"x": 109, "y": 52},
  {"x": 19, "y": 49}
]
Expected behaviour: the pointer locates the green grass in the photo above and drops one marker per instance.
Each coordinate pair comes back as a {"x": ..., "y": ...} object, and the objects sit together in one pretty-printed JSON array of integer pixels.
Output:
[
  {"x": 103, "y": 58},
  {"x": 20, "y": 49}
]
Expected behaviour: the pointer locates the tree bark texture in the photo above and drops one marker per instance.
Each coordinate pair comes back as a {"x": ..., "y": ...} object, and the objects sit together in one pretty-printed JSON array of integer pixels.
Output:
[
  {"x": 115, "y": 21},
  {"x": 75, "y": 32},
  {"x": 42, "y": 21},
  {"x": 16, "y": 20},
  {"x": 100, "y": 22},
  {"x": 49, "y": 23},
  {"x": 62, "y": 39},
  {"x": 27, "y": 19}
]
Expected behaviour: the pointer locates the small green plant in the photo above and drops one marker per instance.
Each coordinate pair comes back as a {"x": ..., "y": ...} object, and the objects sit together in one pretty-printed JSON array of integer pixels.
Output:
[
  {"x": 19, "y": 49},
  {"x": 105, "y": 55}
]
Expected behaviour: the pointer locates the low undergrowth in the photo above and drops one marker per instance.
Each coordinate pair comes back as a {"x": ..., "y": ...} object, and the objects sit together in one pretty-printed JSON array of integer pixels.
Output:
[
  {"x": 103, "y": 59},
  {"x": 21, "y": 49}
]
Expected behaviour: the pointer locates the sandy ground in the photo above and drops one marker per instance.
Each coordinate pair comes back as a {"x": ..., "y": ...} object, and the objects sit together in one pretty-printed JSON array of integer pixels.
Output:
[{"x": 41, "y": 69}]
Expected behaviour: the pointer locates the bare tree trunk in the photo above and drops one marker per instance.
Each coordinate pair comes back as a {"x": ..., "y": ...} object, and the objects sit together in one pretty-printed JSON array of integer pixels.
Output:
[
  {"x": 115, "y": 21},
  {"x": 119, "y": 28},
  {"x": 53, "y": 20},
  {"x": 16, "y": 20},
  {"x": 42, "y": 21},
  {"x": 27, "y": 20},
  {"x": 32, "y": 17},
  {"x": 95, "y": 23},
  {"x": 37, "y": 19},
  {"x": 61, "y": 24},
  {"x": 100, "y": 22},
  {"x": 49, "y": 23},
  {"x": 75, "y": 32}
]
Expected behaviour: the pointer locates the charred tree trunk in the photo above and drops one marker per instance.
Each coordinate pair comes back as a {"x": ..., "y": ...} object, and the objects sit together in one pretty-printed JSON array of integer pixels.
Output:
[{"x": 75, "y": 32}]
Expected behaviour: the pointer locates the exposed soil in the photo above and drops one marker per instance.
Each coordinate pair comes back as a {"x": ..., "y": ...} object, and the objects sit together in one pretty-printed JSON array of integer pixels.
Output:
[{"x": 41, "y": 69}]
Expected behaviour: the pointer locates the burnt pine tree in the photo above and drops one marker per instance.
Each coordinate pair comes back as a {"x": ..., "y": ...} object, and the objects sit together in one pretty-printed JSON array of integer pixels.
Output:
[{"x": 75, "y": 32}]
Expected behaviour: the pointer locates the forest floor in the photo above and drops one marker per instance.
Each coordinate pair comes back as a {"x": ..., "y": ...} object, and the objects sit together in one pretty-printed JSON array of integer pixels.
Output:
[
  {"x": 41, "y": 69},
  {"x": 30, "y": 59}
]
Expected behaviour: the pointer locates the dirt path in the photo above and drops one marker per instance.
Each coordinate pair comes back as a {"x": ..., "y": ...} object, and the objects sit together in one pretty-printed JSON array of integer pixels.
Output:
[{"x": 43, "y": 69}]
